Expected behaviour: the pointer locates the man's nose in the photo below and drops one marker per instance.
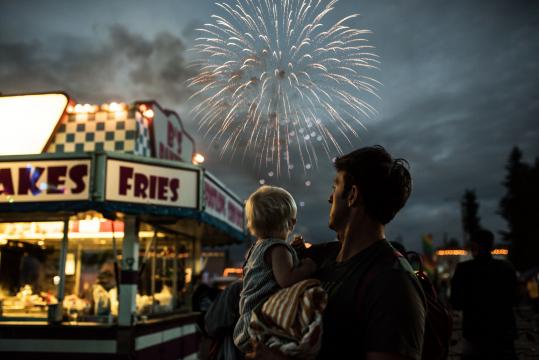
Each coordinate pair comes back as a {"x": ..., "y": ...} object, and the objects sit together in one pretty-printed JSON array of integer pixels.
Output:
[{"x": 330, "y": 200}]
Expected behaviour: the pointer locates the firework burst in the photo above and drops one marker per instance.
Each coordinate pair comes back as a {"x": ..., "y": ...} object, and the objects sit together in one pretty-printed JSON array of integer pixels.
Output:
[{"x": 276, "y": 82}]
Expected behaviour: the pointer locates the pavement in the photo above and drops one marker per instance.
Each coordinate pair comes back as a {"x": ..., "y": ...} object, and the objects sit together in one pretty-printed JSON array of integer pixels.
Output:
[{"x": 526, "y": 344}]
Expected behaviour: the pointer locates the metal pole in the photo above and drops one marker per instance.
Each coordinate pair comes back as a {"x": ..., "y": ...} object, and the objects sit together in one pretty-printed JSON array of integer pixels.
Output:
[
  {"x": 152, "y": 276},
  {"x": 129, "y": 277},
  {"x": 175, "y": 275},
  {"x": 62, "y": 271},
  {"x": 78, "y": 259}
]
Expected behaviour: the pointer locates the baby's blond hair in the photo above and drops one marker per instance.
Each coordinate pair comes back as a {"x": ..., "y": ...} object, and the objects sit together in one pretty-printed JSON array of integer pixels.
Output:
[{"x": 269, "y": 211}]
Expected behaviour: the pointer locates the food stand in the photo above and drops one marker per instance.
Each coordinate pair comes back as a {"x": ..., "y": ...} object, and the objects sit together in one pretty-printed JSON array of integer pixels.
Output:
[{"x": 101, "y": 230}]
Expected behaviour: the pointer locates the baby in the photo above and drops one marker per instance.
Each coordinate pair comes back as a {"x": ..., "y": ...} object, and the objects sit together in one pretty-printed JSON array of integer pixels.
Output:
[{"x": 271, "y": 263}]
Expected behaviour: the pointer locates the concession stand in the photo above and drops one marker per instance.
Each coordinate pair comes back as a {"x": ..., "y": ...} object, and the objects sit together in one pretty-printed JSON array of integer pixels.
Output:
[{"x": 104, "y": 211}]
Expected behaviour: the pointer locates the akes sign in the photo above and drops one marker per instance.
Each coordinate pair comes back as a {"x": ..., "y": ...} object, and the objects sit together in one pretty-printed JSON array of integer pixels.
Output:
[{"x": 52, "y": 180}]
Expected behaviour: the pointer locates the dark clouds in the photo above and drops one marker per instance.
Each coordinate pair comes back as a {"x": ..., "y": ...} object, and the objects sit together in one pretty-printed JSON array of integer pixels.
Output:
[
  {"x": 125, "y": 66},
  {"x": 461, "y": 82}
]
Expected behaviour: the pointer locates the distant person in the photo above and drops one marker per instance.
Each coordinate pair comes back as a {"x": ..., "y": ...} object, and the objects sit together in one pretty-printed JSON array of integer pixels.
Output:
[
  {"x": 271, "y": 263},
  {"x": 485, "y": 289}
]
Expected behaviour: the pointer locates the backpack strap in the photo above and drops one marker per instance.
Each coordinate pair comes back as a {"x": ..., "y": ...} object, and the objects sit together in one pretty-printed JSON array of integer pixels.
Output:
[{"x": 362, "y": 280}]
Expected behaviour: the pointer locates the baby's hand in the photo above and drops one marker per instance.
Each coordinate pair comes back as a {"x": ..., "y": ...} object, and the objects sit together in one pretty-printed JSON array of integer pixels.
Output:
[{"x": 298, "y": 242}]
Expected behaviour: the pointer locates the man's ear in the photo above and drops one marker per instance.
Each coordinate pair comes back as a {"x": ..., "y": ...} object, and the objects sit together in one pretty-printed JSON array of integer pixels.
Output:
[{"x": 354, "y": 197}]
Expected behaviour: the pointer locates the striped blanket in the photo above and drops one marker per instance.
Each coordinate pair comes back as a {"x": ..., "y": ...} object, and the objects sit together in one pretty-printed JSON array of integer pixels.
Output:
[{"x": 291, "y": 320}]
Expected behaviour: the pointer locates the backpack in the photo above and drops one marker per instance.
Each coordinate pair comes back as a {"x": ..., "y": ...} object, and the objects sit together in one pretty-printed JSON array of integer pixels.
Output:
[{"x": 438, "y": 322}]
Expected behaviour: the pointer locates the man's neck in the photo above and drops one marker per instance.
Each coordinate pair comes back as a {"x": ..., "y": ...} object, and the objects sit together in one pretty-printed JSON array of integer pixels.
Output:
[{"x": 357, "y": 236}]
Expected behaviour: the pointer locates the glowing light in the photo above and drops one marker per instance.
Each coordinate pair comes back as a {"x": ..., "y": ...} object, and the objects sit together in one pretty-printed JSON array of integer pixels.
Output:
[
  {"x": 232, "y": 271},
  {"x": 89, "y": 226},
  {"x": 148, "y": 113},
  {"x": 70, "y": 264},
  {"x": 302, "y": 203},
  {"x": 268, "y": 69},
  {"x": 308, "y": 183},
  {"x": 56, "y": 280},
  {"x": 261, "y": 181},
  {"x": 452, "y": 252},
  {"x": 41, "y": 242},
  {"x": 114, "y": 106},
  {"x": 198, "y": 159},
  {"x": 270, "y": 174},
  {"x": 308, "y": 245},
  {"x": 3, "y": 240},
  {"x": 500, "y": 252},
  {"x": 28, "y": 121}
]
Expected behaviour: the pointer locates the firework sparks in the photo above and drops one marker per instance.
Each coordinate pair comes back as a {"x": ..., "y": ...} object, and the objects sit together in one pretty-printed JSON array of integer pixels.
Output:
[{"x": 276, "y": 82}]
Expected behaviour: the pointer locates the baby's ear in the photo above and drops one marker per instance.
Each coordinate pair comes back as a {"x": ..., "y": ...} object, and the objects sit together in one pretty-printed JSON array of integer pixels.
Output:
[{"x": 291, "y": 223}]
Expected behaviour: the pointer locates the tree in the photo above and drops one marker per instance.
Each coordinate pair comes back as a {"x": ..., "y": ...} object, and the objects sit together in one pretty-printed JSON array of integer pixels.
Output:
[
  {"x": 520, "y": 208},
  {"x": 470, "y": 217}
]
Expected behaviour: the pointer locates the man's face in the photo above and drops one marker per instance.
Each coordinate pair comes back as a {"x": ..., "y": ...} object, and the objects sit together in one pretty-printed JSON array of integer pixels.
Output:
[{"x": 339, "y": 209}]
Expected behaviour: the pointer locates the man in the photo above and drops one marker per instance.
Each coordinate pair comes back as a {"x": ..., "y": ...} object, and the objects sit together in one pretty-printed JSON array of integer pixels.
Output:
[
  {"x": 376, "y": 310},
  {"x": 220, "y": 321},
  {"x": 485, "y": 289}
]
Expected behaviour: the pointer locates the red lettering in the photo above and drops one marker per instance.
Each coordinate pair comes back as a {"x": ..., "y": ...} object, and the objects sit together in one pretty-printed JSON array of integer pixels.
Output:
[
  {"x": 162, "y": 191},
  {"x": 162, "y": 150},
  {"x": 28, "y": 180},
  {"x": 152, "y": 186},
  {"x": 77, "y": 174},
  {"x": 55, "y": 179},
  {"x": 235, "y": 214},
  {"x": 141, "y": 184},
  {"x": 171, "y": 133},
  {"x": 6, "y": 182},
  {"x": 214, "y": 200},
  {"x": 126, "y": 173},
  {"x": 174, "y": 187}
]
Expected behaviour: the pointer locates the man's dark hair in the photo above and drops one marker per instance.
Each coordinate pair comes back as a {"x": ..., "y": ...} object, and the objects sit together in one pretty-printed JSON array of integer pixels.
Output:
[
  {"x": 385, "y": 183},
  {"x": 484, "y": 238}
]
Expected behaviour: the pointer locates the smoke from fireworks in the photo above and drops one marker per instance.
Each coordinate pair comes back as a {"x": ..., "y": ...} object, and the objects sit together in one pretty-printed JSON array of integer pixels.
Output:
[{"x": 273, "y": 79}]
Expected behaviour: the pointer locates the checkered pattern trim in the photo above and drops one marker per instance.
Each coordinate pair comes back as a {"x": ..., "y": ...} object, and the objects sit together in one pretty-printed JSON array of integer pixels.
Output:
[
  {"x": 102, "y": 131},
  {"x": 142, "y": 144}
]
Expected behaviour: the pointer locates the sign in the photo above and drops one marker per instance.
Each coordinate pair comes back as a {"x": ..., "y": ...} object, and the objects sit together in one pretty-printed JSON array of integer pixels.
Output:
[
  {"x": 51, "y": 180},
  {"x": 221, "y": 205},
  {"x": 133, "y": 182},
  {"x": 171, "y": 143},
  {"x": 28, "y": 122}
]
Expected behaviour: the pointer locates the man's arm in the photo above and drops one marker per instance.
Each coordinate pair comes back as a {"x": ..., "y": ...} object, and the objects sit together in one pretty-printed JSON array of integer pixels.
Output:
[{"x": 224, "y": 311}]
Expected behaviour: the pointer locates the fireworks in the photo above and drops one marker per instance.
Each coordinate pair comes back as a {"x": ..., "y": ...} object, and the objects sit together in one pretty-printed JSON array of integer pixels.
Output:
[{"x": 275, "y": 81}]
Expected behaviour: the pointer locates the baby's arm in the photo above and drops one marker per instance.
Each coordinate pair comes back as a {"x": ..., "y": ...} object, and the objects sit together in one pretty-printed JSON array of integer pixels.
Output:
[{"x": 283, "y": 268}]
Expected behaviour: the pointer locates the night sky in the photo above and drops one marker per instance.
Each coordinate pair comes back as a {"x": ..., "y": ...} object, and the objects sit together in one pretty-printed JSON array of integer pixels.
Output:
[{"x": 460, "y": 89}]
